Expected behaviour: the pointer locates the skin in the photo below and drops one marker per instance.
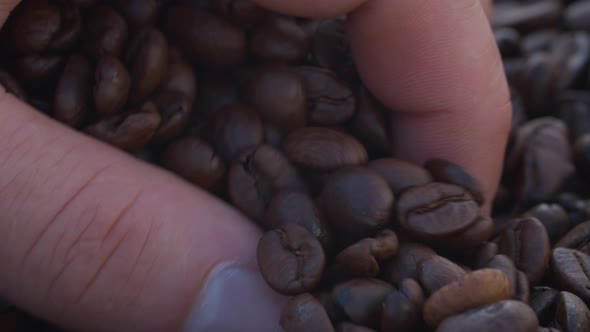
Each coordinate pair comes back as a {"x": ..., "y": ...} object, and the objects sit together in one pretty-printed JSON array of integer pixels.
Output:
[{"x": 94, "y": 240}]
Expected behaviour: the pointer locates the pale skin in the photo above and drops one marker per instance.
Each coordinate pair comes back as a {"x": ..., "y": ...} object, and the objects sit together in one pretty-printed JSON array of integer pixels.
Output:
[{"x": 94, "y": 240}]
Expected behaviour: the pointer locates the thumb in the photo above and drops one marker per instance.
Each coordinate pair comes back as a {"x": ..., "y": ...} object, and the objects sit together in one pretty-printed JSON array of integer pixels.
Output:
[{"x": 94, "y": 240}]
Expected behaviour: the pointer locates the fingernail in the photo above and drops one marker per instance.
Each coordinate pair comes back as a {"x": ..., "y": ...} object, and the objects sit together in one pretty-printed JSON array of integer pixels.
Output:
[{"x": 235, "y": 298}]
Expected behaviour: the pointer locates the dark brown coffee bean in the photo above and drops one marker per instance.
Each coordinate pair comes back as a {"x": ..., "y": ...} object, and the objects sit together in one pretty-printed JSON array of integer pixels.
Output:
[
  {"x": 330, "y": 101},
  {"x": 350, "y": 327},
  {"x": 576, "y": 15},
  {"x": 538, "y": 41},
  {"x": 484, "y": 287},
  {"x": 538, "y": 79},
  {"x": 572, "y": 314},
  {"x": 331, "y": 49},
  {"x": 305, "y": 313},
  {"x": 323, "y": 149},
  {"x": 370, "y": 124},
  {"x": 73, "y": 91},
  {"x": 508, "y": 41},
  {"x": 575, "y": 114},
  {"x": 479, "y": 232},
  {"x": 506, "y": 315},
  {"x": 543, "y": 302},
  {"x": 485, "y": 252},
  {"x": 199, "y": 34},
  {"x": 243, "y": 12},
  {"x": 279, "y": 40},
  {"x": 236, "y": 128},
  {"x": 256, "y": 176},
  {"x": 357, "y": 200},
  {"x": 111, "y": 85},
  {"x": 175, "y": 109},
  {"x": 361, "y": 299},
  {"x": 578, "y": 210},
  {"x": 577, "y": 238},
  {"x": 405, "y": 263},
  {"x": 130, "y": 130},
  {"x": 31, "y": 27},
  {"x": 400, "y": 174},
  {"x": 215, "y": 91},
  {"x": 436, "y": 210},
  {"x": 573, "y": 53},
  {"x": 526, "y": 242},
  {"x": 70, "y": 29},
  {"x": 139, "y": 13},
  {"x": 196, "y": 161},
  {"x": 505, "y": 264},
  {"x": 278, "y": 94},
  {"x": 448, "y": 172},
  {"x": 362, "y": 258},
  {"x": 147, "y": 60},
  {"x": 105, "y": 32},
  {"x": 39, "y": 73},
  {"x": 179, "y": 76},
  {"x": 11, "y": 85},
  {"x": 291, "y": 259},
  {"x": 571, "y": 269},
  {"x": 435, "y": 272},
  {"x": 528, "y": 16},
  {"x": 548, "y": 329},
  {"x": 523, "y": 288},
  {"x": 325, "y": 298},
  {"x": 273, "y": 136},
  {"x": 402, "y": 309},
  {"x": 553, "y": 217}
]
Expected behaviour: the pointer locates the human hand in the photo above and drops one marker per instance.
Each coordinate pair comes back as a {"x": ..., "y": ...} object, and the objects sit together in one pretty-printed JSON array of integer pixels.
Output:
[{"x": 94, "y": 240}]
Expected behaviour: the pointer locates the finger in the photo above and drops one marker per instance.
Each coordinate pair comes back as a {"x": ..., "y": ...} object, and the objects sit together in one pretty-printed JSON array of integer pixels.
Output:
[
  {"x": 487, "y": 7},
  {"x": 6, "y": 6},
  {"x": 95, "y": 241},
  {"x": 436, "y": 64}
]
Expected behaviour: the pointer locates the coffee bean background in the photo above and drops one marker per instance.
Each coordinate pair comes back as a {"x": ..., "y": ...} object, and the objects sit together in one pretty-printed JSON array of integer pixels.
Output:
[{"x": 268, "y": 113}]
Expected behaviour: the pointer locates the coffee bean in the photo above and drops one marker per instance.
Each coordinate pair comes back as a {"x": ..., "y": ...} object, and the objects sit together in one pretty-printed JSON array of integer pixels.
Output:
[
  {"x": 331, "y": 49},
  {"x": 279, "y": 40},
  {"x": 523, "y": 286},
  {"x": 572, "y": 314},
  {"x": 147, "y": 59},
  {"x": 305, "y": 313},
  {"x": 553, "y": 217},
  {"x": 73, "y": 91},
  {"x": 400, "y": 174},
  {"x": 485, "y": 252},
  {"x": 505, "y": 264},
  {"x": 350, "y": 327},
  {"x": 573, "y": 53},
  {"x": 105, "y": 32},
  {"x": 575, "y": 115},
  {"x": 243, "y": 12},
  {"x": 31, "y": 27},
  {"x": 357, "y": 200},
  {"x": 334, "y": 312},
  {"x": 11, "y": 85},
  {"x": 402, "y": 309},
  {"x": 539, "y": 78},
  {"x": 571, "y": 269},
  {"x": 236, "y": 128},
  {"x": 448, "y": 172},
  {"x": 577, "y": 238},
  {"x": 361, "y": 299},
  {"x": 198, "y": 33},
  {"x": 543, "y": 302},
  {"x": 484, "y": 287},
  {"x": 291, "y": 259},
  {"x": 196, "y": 161},
  {"x": 362, "y": 258},
  {"x": 278, "y": 94},
  {"x": 405, "y": 263},
  {"x": 179, "y": 76},
  {"x": 39, "y": 73},
  {"x": 323, "y": 149},
  {"x": 527, "y": 16},
  {"x": 435, "y": 272},
  {"x": 576, "y": 15},
  {"x": 68, "y": 35},
  {"x": 330, "y": 101},
  {"x": 477, "y": 233},
  {"x": 273, "y": 135},
  {"x": 370, "y": 124},
  {"x": 111, "y": 85},
  {"x": 578, "y": 210},
  {"x": 139, "y": 13},
  {"x": 508, "y": 41},
  {"x": 538, "y": 41},
  {"x": 130, "y": 130},
  {"x": 436, "y": 210},
  {"x": 175, "y": 109},
  {"x": 215, "y": 92},
  {"x": 501, "y": 316},
  {"x": 256, "y": 176}
]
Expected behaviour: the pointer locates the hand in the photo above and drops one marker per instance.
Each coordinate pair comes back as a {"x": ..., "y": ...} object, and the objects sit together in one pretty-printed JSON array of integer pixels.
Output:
[{"x": 94, "y": 240}]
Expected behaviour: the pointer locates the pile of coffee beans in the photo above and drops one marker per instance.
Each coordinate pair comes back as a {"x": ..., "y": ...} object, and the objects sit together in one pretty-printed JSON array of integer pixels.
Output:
[{"x": 268, "y": 113}]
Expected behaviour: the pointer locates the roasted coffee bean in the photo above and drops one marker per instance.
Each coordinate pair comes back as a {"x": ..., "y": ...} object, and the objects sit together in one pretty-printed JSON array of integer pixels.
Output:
[
  {"x": 130, "y": 130},
  {"x": 215, "y": 91},
  {"x": 402, "y": 309},
  {"x": 576, "y": 15},
  {"x": 279, "y": 40},
  {"x": 523, "y": 288},
  {"x": 480, "y": 231},
  {"x": 577, "y": 238},
  {"x": 293, "y": 207},
  {"x": 11, "y": 85},
  {"x": 179, "y": 76},
  {"x": 330, "y": 101},
  {"x": 508, "y": 41},
  {"x": 278, "y": 95},
  {"x": 70, "y": 29},
  {"x": 111, "y": 85},
  {"x": 273, "y": 135},
  {"x": 448, "y": 172},
  {"x": 505, "y": 264},
  {"x": 362, "y": 258},
  {"x": 436, "y": 210},
  {"x": 32, "y": 26},
  {"x": 538, "y": 82},
  {"x": 323, "y": 149},
  {"x": 405, "y": 263},
  {"x": 105, "y": 32},
  {"x": 244, "y": 12},
  {"x": 357, "y": 200},
  {"x": 527, "y": 16},
  {"x": 572, "y": 314},
  {"x": 538, "y": 41},
  {"x": 484, "y": 287},
  {"x": 335, "y": 314},
  {"x": 175, "y": 109},
  {"x": 305, "y": 313},
  {"x": 361, "y": 299},
  {"x": 553, "y": 217},
  {"x": 571, "y": 269},
  {"x": 543, "y": 302},
  {"x": 435, "y": 272},
  {"x": 370, "y": 124},
  {"x": 39, "y": 73},
  {"x": 485, "y": 252},
  {"x": 73, "y": 91},
  {"x": 548, "y": 329},
  {"x": 236, "y": 128},
  {"x": 291, "y": 259},
  {"x": 199, "y": 34},
  {"x": 506, "y": 315},
  {"x": 573, "y": 53},
  {"x": 256, "y": 176},
  {"x": 331, "y": 49},
  {"x": 400, "y": 174},
  {"x": 576, "y": 115},
  {"x": 196, "y": 161},
  {"x": 147, "y": 60},
  {"x": 350, "y": 327},
  {"x": 578, "y": 210},
  {"x": 139, "y": 13}
]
